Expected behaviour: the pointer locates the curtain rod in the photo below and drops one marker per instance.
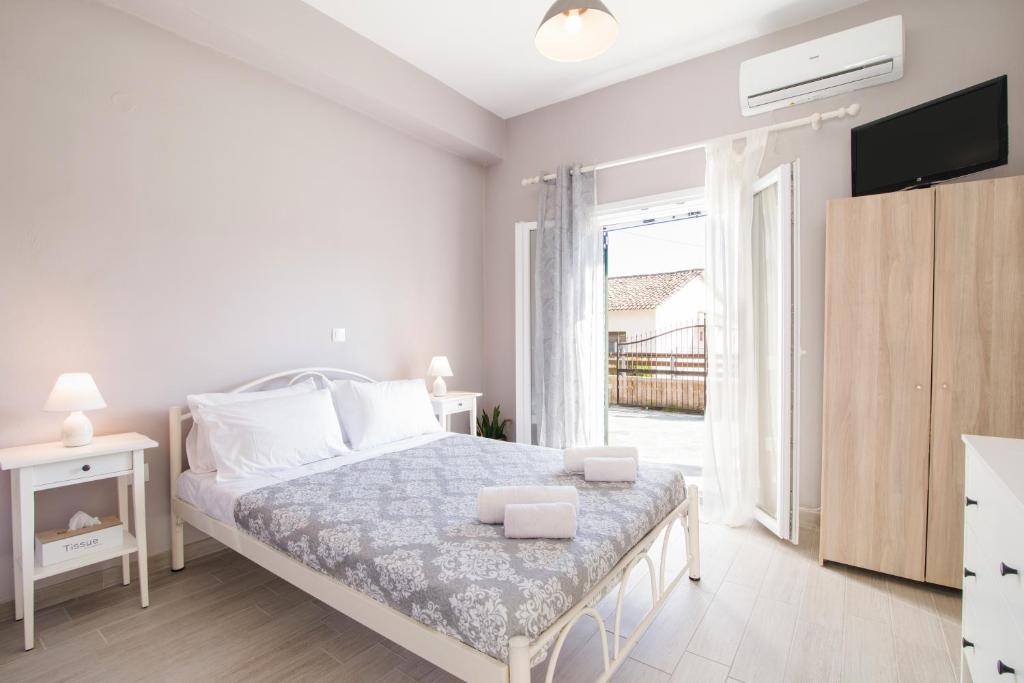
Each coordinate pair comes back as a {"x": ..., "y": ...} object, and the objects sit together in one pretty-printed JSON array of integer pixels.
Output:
[{"x": 814, "y": 121}]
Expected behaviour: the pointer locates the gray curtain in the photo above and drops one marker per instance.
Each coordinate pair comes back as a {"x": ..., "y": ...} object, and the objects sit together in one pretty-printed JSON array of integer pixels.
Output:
[{"x": 568, "y": 314}]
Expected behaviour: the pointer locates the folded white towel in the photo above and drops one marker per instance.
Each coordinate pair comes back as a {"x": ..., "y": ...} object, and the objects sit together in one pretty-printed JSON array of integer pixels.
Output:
[
  {"x": 540, "y": 520},
  {"x": 492, "y": 500},
  {"x": 574, "y": 457},
  {"x": 609, "y": 469}
]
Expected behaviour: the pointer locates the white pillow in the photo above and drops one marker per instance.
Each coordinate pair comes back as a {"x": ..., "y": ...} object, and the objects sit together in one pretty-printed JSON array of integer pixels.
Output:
[
  {"x": 197, "y": 444},
  {"x": 375, "y": 414},
  {"x": 274, "y": 434}
]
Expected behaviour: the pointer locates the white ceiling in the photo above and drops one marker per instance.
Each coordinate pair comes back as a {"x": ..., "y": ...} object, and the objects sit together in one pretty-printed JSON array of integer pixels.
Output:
[{"x": 484, "y": 48}]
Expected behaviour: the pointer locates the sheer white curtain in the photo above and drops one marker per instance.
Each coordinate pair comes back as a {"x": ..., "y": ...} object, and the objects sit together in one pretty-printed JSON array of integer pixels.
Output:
[
  {"x": 731, "y": 412},
  {"x": 568, "y": 314}
]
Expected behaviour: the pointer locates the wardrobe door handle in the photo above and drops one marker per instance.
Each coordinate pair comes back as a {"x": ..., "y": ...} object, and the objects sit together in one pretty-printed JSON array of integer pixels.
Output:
[
  {"x": 86, "y": 468},
  {"x": 968, "y": 501},
  {"x": 966, "y": 643},
  {"x": 1004, "y": 669},
  {"x": 968, "y": 573},
  {"x": 1005, "y": 569}
]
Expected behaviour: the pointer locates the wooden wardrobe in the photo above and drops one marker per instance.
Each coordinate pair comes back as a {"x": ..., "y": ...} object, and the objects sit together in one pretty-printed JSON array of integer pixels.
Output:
[{"x": 924, "y": 341}]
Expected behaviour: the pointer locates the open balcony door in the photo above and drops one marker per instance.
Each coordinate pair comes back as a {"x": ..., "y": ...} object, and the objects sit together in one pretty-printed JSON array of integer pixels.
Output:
[{"x": 775, "y": 324}]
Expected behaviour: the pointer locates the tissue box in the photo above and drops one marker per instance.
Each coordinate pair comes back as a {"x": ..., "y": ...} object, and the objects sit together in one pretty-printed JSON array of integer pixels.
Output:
[{"x": 59, "y": 545}]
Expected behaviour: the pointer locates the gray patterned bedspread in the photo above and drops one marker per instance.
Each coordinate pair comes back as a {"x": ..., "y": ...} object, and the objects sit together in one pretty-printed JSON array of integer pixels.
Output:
[{"x": 402, "y": 529}]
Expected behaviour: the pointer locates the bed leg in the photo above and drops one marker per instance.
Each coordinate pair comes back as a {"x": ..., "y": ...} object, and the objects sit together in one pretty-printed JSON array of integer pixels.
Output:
[
  {"x": 177, "y": 543},
  {"x": 519, "y": 659},
  {"x": 693, "y": 532}
]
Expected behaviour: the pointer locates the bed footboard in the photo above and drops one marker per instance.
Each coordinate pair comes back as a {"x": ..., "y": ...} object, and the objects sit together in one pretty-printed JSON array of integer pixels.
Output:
[{"x": 522, "y": 651}]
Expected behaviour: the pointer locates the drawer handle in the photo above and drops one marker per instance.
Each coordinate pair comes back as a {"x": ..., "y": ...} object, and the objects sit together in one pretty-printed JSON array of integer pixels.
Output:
[
  {"x": 966, "y": 643},
  {"x": 1005, "y": 569},
  {"x": 1003, "y": 669},
  {"x": 968, "y": 573},
  {"x": 86, "y": 468},
  {"x": 968, "y": 501}
]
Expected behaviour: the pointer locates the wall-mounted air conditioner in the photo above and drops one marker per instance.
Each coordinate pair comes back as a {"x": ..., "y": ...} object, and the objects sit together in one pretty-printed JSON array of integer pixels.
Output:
[{"x": 856, "y": 58}]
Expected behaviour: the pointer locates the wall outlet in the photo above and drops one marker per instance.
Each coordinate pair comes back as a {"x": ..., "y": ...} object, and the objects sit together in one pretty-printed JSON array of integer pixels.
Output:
[{"x": 338, "y": 334}]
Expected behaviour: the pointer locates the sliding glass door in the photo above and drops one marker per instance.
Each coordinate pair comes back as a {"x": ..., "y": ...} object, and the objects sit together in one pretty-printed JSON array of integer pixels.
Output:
[{"x": 773, "y": 284}]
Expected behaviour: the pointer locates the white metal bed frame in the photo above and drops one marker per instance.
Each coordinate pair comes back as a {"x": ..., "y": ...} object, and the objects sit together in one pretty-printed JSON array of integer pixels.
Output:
[{"x": 441, "y": 650}]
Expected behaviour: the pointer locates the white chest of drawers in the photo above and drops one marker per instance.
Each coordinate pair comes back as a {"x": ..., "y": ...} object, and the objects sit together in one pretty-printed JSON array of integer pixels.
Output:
[{"x": 993, "y": 598}]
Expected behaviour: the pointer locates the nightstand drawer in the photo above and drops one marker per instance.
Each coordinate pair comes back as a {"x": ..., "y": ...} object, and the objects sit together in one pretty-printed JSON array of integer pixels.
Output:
[{"x": 82, "y": 468}]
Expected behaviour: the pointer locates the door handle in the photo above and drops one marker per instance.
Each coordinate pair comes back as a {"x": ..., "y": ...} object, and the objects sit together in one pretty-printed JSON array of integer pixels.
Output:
[
  {"x": 1005, "y": 569},
  {"x": 968, "y": 501}
]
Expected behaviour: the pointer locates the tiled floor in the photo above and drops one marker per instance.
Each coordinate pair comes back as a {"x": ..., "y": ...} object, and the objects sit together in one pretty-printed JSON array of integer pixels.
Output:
[
  {"x": 661, "y": 435},
  {"x": 764, "y": 611}
]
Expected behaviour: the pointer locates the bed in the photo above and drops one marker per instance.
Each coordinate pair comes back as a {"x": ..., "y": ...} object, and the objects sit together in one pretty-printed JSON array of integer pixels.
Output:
[{"x": 389, "y": 537}]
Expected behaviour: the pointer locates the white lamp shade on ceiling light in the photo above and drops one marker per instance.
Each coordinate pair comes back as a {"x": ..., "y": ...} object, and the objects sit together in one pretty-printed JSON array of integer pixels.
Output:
[
  {"x": 74, "y": 391},
  {"x": 575, "y": 30},
  {"x": 439, "y": 367}
]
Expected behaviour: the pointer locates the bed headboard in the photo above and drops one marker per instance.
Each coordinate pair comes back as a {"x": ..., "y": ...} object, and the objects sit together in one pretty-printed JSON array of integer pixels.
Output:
[{"x": 178, "y": 416}]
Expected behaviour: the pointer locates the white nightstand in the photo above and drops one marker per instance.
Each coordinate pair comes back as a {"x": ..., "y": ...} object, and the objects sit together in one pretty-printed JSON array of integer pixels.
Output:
[
  {"x": 456, "y": 402},
  {"x": 52, "y": 465}
]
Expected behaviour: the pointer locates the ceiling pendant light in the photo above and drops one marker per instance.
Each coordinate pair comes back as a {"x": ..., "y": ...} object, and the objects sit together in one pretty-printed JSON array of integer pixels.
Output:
[{"x": 574, "y": 30}]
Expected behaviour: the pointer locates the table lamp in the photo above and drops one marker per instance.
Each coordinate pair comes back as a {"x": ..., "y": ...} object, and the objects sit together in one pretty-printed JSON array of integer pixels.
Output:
[
  {"x": 75, "y": 392},
  {"x": 440, "y": 368}
]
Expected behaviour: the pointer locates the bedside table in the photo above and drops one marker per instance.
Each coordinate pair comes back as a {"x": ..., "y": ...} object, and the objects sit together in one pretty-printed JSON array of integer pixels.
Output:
[
  {"x": 53, "y": 465},
  {"x": 455, "y": 402}
]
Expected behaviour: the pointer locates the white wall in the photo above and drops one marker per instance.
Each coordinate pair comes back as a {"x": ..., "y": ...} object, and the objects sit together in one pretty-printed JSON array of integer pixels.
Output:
[
  {"x": 684, "y": 307},
  {"x": 631, "y": 322},
  {"x": 174, "y": 221},
  {"x": 950, "y": 44}
]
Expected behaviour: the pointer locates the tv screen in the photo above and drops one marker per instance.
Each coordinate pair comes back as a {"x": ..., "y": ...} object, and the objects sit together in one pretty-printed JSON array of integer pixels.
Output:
[{"x": 945, "y": 138}]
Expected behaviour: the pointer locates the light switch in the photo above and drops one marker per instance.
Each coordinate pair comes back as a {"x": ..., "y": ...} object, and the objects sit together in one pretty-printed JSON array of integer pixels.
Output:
[{"x": 338, "y": 334}]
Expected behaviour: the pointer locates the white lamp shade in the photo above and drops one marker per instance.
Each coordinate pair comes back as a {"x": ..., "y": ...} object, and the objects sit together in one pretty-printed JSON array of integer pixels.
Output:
[
  {"x": 575, "y": 30},
  {"x": 439, "y": 367},
  {"x": 74, "y": 391}
]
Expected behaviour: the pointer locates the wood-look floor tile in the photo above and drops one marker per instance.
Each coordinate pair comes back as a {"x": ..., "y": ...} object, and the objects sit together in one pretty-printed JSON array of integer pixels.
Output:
[
  {"x": 913, "y": 615},
  {"x": 59, "y": 663},
  {"x": 632, "y": 671},
  {"x": 947, "y": 605},
  {"x": 816, "y": 653},
  {"x": 580, "y": 635},
  {"x": 867, "y": 596},
  {"x": 918, "y": 663},
  {"x": 696, "y": 669},
  {"x": 585, "y": 664},
  {"x": 411, "y": 665},
  {"x": 786, "y": 577},
  {"x": 756, "y": 554},
  {"x": 721, "y": 629},
  {"x": 124, "y": 604},
  {"x": 868, "y": 651},
  {"x": 824, "y": 597},
  {"x": 764, "y": 649},
  {"x": 782, "y": 613},
  {"x": 666, "y": 639}
]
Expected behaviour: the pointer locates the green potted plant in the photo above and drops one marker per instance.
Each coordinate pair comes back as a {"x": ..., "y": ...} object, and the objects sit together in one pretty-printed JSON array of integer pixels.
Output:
[{"x": 492, "y": 426}]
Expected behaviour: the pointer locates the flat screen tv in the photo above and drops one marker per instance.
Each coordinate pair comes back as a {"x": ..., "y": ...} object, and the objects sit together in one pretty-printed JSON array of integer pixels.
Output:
[{"x": 952, "y": 136}]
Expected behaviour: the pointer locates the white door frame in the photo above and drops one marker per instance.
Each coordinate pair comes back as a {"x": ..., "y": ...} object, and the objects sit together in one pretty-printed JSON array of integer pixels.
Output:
[
  {"x": 786, "y": 524},
  {"x": 524, "y": 409}
]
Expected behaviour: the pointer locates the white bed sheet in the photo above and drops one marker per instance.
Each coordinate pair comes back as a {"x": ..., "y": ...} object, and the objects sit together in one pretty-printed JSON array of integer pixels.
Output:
[{"x": 217, "y": 499}]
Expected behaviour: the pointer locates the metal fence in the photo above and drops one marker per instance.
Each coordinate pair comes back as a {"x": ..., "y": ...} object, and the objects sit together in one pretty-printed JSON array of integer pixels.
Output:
[{"x": 659, "y": 370}]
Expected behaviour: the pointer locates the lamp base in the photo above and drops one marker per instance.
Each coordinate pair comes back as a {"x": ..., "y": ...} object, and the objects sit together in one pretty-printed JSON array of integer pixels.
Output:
[
  {"x": 440, "y": 388},
  {"x": 77, "y": 430}
]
